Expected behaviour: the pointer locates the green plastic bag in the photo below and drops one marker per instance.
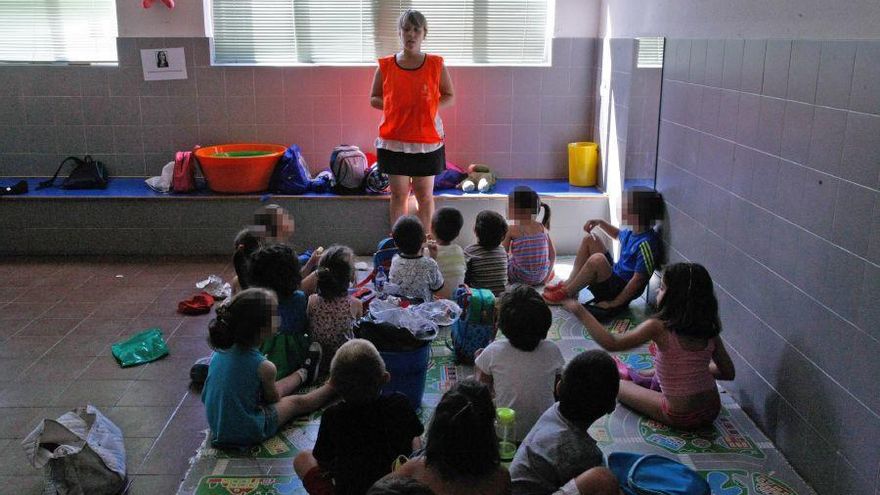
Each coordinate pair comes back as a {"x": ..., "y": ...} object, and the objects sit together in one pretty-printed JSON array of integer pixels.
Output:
[{"x": 142, "y": 348}]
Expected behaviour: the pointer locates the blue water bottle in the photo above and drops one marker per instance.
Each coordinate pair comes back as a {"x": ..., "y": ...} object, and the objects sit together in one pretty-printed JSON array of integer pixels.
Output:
[{"x": 379, "y": 281}]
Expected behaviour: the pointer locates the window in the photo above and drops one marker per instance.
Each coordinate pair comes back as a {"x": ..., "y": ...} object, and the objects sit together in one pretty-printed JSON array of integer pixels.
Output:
[
  {"x": 279, "y": 32},
  {"x": 75, "y": 31},
  {"x": 650, "y": 53}
]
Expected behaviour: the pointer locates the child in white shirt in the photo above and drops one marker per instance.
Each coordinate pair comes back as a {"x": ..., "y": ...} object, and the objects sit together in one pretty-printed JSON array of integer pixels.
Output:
[
  {"x": 446, "y": 224},
  {"x": 416, "y": 276},
  {"x": 523, "y": 369}
]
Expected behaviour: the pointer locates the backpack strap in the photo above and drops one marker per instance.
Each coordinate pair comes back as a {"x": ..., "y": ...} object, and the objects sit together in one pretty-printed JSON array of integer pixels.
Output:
[{"x": 51, "y": 182}]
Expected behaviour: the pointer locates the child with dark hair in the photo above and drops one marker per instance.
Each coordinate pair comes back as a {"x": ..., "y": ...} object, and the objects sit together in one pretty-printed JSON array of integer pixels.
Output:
[
  {"x": 559, "y": 448},
  {"x": 528, "y": 242},
  {"x": 487, "y": 259},
  {"x": 461, "y": 451},
  {"x": 690, "y": 352},
  {"x": 276, "y": 267},
  {"x": 446, "y": 225},
  {"x": 272, "y": 224},
  {"x": 416, "y": 276},
  {"x": 523, "y": 369},
  {"x": 332, "y": 312},
  {"x": 361, "y": 436},
  {"x": 615, "y": 284},
  {"x": 244, "y": 403},
  {"x": 393, "y": 485}
]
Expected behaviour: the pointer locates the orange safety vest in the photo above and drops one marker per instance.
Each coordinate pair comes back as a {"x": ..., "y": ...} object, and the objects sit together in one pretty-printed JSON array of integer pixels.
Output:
[{"x": 410, "y": 98}]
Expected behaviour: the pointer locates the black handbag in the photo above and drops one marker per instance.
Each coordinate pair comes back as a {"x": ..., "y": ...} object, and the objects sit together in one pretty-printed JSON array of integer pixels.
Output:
[{"x": 87, "y": 174}]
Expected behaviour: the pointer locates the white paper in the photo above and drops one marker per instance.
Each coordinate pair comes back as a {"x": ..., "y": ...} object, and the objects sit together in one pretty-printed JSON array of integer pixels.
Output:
[{"x": 162, "y": 64}]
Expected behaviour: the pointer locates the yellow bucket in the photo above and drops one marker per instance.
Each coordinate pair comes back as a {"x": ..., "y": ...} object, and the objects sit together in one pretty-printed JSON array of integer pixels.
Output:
[{"x": 583, "y": 162}]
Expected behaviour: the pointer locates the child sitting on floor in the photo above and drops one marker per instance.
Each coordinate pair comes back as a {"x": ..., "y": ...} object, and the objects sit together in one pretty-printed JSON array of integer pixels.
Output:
[
  {"x": 487, "y": 259},
  {"x": 361, "y": 436},
  {"x": 276, "y": 268},
  {"x": 244, "y": 403},
  {"x": 272, "y": 224},
  {"x": 332, "y": 312},
  {"x": 523, "y": 369},
  {"x": 446, "y": 224},
  {"x": 690, "y": 353},
  {"x": 614, "y": 285},
  {"x": 559, "y": 448},
  {"x": 531, "y": 251},
  {"x": 416, "y": 276}
]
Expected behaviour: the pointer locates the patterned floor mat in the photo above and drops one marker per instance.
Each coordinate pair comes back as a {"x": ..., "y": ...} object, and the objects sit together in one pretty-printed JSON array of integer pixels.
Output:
[{"x": 733, "y": 455}]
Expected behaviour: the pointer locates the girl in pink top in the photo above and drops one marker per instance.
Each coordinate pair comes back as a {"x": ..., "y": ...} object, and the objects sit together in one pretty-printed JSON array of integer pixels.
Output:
[{"x": 690, "y": 353}]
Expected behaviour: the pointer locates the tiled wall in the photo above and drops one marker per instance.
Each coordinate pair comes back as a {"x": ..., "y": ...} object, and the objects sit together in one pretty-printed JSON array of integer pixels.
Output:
[
  {"x": 516, "y": 119},
  {"x": 770, "y": 164}
]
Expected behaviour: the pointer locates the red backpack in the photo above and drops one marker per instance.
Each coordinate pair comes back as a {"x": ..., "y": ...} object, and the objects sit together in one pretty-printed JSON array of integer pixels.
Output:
[{"x": 184, "y": 178}]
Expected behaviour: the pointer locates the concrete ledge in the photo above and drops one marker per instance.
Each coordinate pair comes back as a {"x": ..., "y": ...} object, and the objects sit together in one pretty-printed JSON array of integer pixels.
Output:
[{"x": 126, "y": 220}]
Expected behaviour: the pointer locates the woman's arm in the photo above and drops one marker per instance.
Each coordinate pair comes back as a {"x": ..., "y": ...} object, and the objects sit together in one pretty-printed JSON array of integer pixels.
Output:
[
  {"x": 721, "y": 365},
  {"x": 267, "y": 373},
  {"x": 447, "y": 94},
  {"x": 376, "y": 100},
  {"x": 611, "y": 342}
]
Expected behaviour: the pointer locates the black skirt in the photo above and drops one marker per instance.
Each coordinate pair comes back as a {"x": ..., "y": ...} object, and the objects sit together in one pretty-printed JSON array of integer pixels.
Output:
[{"x": 412, "y": 164}]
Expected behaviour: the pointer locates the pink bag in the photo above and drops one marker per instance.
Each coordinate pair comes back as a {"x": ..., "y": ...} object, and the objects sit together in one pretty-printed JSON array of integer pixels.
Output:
[{"x": 184, "y": 178}]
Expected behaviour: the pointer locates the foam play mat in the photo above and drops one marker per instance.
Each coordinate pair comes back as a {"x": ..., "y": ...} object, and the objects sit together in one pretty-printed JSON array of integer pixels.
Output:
[{"x": 733, "y": 455}]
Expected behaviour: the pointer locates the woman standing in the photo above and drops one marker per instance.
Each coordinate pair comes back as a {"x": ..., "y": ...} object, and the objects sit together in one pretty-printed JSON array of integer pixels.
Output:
[{"x": 410, "y": 87}]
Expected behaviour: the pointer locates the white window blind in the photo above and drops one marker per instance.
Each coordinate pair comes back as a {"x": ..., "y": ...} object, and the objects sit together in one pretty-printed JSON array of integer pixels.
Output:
[
  {"x": 650, "y": 53},
  {"x": 279, "y": 32},
  {"x": 58, "y": 31}
]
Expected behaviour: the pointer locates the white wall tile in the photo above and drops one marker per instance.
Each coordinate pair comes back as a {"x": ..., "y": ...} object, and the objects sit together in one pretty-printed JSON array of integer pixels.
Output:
[
  {"x": 753, "y": 66},
  {"x": 804, "y": 71},
  {"x": 733, "y": 59},
  {"x": 835, "y": 73},
  {"x": 714, "y": 63},
  {"x": 826, "y": 141},
  {"x": 797, "y": 130},
  {"x": 697, "y": 69},
  {"x": 776, "y": 65},
  {"x": 770, "y": 119},
  {"x": 865, "y": 96},
  {"x": 860, "y": 162}
]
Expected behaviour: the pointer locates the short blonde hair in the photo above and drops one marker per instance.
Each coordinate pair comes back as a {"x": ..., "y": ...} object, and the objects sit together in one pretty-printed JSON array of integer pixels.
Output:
[
  {"x": 413, "y": 17},
  {"x": 357, "y": 371}
]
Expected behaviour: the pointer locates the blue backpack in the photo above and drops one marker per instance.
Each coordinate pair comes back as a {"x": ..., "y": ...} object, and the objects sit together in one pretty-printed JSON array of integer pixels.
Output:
[
  {"x": 655, "y": 475},
  {"x": 475, "y": 328},
  {"x": 291, "y": 174}
]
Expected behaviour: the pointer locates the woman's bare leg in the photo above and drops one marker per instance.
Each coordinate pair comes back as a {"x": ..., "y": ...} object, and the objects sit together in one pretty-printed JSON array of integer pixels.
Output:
[
  {"x": 423, "y": 187},
  {"x": 399, "y": 194}
]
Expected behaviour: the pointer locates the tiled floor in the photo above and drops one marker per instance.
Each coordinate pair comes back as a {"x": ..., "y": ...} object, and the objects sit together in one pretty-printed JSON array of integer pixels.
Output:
[{"x": 58, "y": 319}]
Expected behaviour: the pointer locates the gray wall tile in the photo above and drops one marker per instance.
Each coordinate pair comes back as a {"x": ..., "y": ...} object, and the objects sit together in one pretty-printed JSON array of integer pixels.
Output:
[
  {"x": 770, "y": 121},
  {"x": 733, "y": 59},
  {"x": 554, "y": 81},
  {"x": 835, "y": 73},
  {"x": 239, "y": 81},
  {"x": 765, "y": 181},
  {"x": 697, "y": 67},
  {"x": 99, "y": 139},
  {"x": 128, "y": 139},
  {"x": 127, "y": 52},
  {"x": 818, "y": 189},
  {"x": 70, "y": 140},
  {"x": 854, "y": 211},
  {"x": 804, "y": 71},
  {"x": 10, "y": 82},
  {"x": 797, "y": 130},
  {"x": 39, "y": 110},
  {"x": 753, "y": 65},
  {"x": 744, "y": 165},
  {"x": 583, "y": 52},
  {"x": 210, "y": 82},
  {"x": 68, "y": 110},
  {"x": 747, "y": 119},
  {"x": 709, "y": 107},
  {"x": 865, "y": 97},
  {"x": 826, "y": 140},
  {"x": 714, "y": 63},
  {"x": 861, "y": 150},
  {"x": 155, "y": 110},
  {"x": 728, "y": 114},
  {"x": 776, "y": 65},
  {"x": 12, "y": 110}
]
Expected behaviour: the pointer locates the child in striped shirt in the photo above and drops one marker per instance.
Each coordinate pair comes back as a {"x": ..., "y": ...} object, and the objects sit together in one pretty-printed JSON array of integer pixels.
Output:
[
  {"x": 528, "y": 242},
  {"x": 487, "y": 259}
]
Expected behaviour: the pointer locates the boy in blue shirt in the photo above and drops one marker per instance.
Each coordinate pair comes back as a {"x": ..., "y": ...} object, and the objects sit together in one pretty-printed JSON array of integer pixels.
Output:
[{"x": 614, "y": 285}]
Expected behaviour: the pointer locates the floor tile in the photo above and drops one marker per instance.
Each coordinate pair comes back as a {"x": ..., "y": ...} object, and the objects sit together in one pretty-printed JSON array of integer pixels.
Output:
[
  {"x": 23, "y": 485},
  {"x": 154, "y": 484},
  {"x": 25, "y": 394},
  {"x": 97, "y": 325},
  {"x": 13, "y": 461},
  {"x": 20, "y": 346},
  {"x": 17, "y": 422},
  {"x": 83, "y": 346},
  {"x": 140, "y": 421},
  {"x": 57, "y": 327},
  {"x": 12, "y": 326},
  {"x": 26, "y": 310},
  {"x": 11, "y": 368},
  {"x": 55, "y": 368},
  {"x": 66, "y": 309},
  {"x": 107, "y": 368},
  {"x": 100, "y": 393},
  {"x": 153, "y": 393},
  {"x": 171, "y": 367}
]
